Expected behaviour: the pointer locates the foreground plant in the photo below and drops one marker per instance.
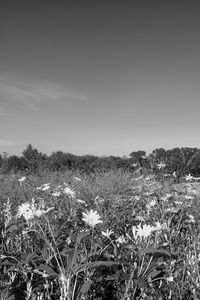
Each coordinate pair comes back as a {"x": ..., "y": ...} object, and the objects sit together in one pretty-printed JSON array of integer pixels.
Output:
[
  {"x": 92, "y": 218},
  {"x": 51, "y": 255},
  {"x": 140, "y": 242}
]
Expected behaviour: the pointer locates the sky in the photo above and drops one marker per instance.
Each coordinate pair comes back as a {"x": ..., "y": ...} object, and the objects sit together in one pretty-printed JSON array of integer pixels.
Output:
[{"x": 99, "y": 77}]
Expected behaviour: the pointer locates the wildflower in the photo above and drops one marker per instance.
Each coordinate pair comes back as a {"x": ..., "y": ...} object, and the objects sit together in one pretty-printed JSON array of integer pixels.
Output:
[
  {"x": 68, "y": 240},
  {"x": 22, "y": 209},
  {"x": 69, "y": 192},
  {"x": 38, "y": 213},
  {"x": 189, "y": 177},
  {"x": 77, "y": 178},
  {"x": 26, "y": 211},
  {"x": 121, "y": 239},
  {"x": 134, "y": 232},
  {"x": 134, "y": 165},
  {"x": 161, "y": 165},
  {"x": 30, "y": 211},
  {"x": 21, "y": 180},
  {"x": 81, "y": 201},
  {"x": 92, "y": 218},
  {"x": 170, "y": 279},
  {"x": 98, "y": 200},
  {"x": 166, "y": 197},
  {"x": 152, "y": 203},
  {"x": 178, "y": 202},
  {"x": 172, "y": 209},
  {"x": 145, "y": 231},
  {"x": 107, "y": 233},
  {"x": 192, "y": 218},
  {"x": 158, "y": 226},
  {"x": 56, "y": 194},
  {"x": 149, "y": 177},
  {"x": 188, "y": 197},
  {"x": 44, "y": 187}
]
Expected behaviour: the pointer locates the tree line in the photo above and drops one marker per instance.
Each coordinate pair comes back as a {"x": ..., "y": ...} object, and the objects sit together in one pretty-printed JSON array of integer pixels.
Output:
[{"x": 182, "y": 161}]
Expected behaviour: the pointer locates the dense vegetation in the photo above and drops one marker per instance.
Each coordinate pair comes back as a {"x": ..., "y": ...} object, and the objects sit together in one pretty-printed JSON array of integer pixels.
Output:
[
  {"x": 100, "y": 228},
  {"x": 180, "y": 160}
]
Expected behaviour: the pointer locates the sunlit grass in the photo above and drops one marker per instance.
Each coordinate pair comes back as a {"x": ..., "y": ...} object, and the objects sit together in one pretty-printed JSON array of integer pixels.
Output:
[{"x": 107, "y": 235}]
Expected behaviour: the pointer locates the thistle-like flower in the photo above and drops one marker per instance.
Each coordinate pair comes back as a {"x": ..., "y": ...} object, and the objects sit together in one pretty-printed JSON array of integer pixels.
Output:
[{"x": 92, "y": 218}]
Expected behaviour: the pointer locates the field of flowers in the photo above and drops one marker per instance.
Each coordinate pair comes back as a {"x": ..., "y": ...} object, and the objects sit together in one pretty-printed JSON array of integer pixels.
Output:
[{"x": 106, "y": 235}]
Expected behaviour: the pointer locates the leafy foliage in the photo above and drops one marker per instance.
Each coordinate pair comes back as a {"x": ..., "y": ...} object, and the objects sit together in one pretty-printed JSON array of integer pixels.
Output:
[{"x": 143, "y": 242}]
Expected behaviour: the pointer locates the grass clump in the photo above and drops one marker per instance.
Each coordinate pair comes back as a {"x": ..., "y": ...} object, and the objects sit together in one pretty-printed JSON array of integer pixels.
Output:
[{"x": 106, "y": 235}]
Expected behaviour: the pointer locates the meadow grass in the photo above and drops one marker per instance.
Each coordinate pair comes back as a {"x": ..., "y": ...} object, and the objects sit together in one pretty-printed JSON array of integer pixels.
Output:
[{"x": 105, "y": 235}]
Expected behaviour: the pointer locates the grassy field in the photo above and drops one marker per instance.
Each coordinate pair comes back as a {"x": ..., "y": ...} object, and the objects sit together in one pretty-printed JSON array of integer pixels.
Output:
[{"x": 107, "y": 235}]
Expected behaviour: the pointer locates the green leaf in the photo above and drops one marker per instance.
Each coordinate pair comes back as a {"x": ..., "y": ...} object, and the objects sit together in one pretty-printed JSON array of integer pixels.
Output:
[
  {"x": 115, "y": 250},
  {"x": 153, "y": 274},
  {"x": 67, "y": 250},
  {"x": 82, "y": 235},
  {"x": 71, "y": 259},
  {"x": 85, "y": 288},
  {"x": 156, "y": 252},
  {"x": 27, "y": 257},
  {"x": 112, "y": 277},
  {"x": 7, "y": 263},
  {"x": 140, "y": 282},
  {"x": 95, "y": 264},
  {"x": 47, "y": 269}
]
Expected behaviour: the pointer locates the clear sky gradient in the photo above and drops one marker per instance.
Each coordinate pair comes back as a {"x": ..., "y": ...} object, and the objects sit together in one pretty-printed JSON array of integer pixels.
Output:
[{"x": 99, "y": 77}]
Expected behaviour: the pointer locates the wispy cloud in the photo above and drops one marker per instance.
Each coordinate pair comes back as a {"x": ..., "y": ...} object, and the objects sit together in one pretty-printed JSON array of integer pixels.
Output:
[{"x": 32, "y": 92}]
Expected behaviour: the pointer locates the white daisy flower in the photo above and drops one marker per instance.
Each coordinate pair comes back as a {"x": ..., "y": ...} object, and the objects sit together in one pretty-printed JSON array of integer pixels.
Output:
[
  {"x": 189, "y": 177},
  {"x": 145, "y": 230},
  {"x": 25, "y": 210},
  {"x": 92, "y": 218}
]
